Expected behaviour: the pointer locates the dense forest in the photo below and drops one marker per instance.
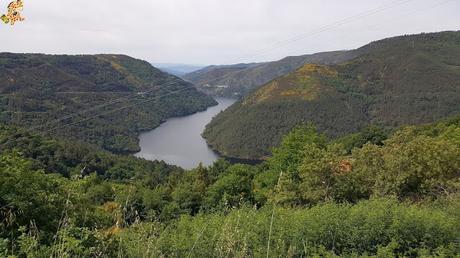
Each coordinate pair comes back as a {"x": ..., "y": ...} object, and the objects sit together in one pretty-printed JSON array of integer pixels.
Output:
[
  {"x": 55, "y": 94},
  {"x": 397, "y": 81},
  {"x": 241, "y": 79},
  {"x": 375, "y": 193}
]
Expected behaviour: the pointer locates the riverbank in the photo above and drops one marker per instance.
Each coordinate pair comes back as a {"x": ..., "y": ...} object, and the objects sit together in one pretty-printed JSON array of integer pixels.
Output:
[{"x": 178, "y": 140}]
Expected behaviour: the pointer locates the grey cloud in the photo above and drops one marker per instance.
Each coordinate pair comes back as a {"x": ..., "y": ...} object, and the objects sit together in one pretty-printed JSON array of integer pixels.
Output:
[{"x": 214, "y": 31}]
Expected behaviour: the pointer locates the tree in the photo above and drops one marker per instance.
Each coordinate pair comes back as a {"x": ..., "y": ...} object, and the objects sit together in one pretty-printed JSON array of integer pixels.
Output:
[
  {"x": 287, "y": 159},
  {"x": 231, "y": 189},
  {"x": 29, "y": 196}
]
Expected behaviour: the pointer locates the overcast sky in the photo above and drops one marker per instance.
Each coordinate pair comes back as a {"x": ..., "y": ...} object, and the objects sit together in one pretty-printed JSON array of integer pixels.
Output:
[{"x": 218, "y": 31}]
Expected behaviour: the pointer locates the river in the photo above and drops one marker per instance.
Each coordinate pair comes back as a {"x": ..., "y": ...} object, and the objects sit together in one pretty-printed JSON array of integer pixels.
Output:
[{"x": 178, "y": 141}]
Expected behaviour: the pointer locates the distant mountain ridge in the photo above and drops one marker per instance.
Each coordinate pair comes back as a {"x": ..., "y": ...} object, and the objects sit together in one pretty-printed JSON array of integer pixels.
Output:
[
  {"x": 177, "y": 69},
  {"x": 124, "y": 96},
  {"x": 402, "y": 80},
  {"x": 241, "y": 79}
]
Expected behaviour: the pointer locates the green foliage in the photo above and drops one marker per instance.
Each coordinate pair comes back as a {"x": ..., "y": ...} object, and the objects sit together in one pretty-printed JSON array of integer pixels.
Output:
[
  {"x": 289, "y": 155},
  {"x": 187, "y": 199},
  {"x": 75, "y": 159},
  {"x": 242, "y": 79},
  {"x": 36, "y": 89},
  {"x": 393, "y": 197},
  {"x": 389, "y": 83},
  {"x": 287, "y": 159},
  {"x": 28, "y": 195},
  {"x": 232, "y": 189},
  {"x": 413, "y": 162},
  {"x": 411, "y": 166},
  {"x": 372, "y": 134},
  {"x": 381, "y": 228}
]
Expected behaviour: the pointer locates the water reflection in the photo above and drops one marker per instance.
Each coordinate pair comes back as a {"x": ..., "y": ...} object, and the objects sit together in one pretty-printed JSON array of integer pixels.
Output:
[{"x": 178, "y": 141}]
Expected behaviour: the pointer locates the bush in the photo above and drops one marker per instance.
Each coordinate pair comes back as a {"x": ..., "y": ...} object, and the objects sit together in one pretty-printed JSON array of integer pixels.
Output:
[{"x": 376, "y": 227}]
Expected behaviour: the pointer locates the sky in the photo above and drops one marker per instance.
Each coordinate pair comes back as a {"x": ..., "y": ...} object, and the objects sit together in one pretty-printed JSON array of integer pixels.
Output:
[{"x": 208, "y": 32}]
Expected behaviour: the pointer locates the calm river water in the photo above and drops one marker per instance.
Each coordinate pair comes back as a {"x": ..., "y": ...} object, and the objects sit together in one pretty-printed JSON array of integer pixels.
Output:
[{"x": 178, "y": 141}]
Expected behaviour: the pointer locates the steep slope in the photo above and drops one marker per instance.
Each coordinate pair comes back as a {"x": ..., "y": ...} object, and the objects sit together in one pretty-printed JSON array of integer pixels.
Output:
[
  {"x": 209, "y": 79},
  {"x": 240, "y": 79},
  {"x": 41, "y": 92},
  {"x": 403, "y": 80}
]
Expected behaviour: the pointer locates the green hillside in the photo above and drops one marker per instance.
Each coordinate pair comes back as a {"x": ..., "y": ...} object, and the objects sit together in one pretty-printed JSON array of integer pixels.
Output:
[
  {"x": 52, "y": 94},
  {"x": 403, "y": 80},
  {"x": 315, "y": 197},
  {"x": 241, "y": 79}
]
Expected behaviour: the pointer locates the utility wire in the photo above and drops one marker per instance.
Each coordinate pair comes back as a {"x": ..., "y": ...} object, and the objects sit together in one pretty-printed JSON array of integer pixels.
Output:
[
  {"x": 331, "y": 26},
  {"x": 429, "y": 6},
  {"x": 405, "y": 15},
  {"x": 108, "y": 103},
  {"x": 115, "y": 110},
  {"x": 274, "y": 46}
]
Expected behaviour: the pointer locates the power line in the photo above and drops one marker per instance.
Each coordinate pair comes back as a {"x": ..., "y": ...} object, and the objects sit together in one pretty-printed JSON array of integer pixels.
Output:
[
  {"x": 274, "y": 46},
  {"x": 108, "y": 103},
  {"x": 430, "y": 6},
  {"x": 331, "y": 26},
  {"x": 115, "y": 110},
  {"x": 405, "y": 15}
]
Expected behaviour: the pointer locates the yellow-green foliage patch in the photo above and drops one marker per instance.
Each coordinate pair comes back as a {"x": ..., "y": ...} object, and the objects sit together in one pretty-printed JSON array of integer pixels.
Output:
[
  {"x": 305, "y": 83},
  {"x": 263, "y": 94},
  {"x": 121, "y": 69}
]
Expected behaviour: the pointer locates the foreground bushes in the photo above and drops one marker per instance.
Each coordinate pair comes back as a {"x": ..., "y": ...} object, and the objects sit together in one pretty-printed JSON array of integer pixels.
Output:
[
  {"x": 394, "y": 197},
  {"x": 414, "y": 163},
  {"x": 375, "y": 228},
  {"x": 381, "y": 227}
]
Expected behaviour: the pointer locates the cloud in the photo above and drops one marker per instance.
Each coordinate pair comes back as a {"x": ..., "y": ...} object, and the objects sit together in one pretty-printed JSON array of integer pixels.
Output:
[{"x": 214, "y": 31}]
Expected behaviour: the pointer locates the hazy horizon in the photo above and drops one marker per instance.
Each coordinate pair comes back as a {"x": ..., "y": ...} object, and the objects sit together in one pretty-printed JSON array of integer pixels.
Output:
[{"x": 207, "y": 32}]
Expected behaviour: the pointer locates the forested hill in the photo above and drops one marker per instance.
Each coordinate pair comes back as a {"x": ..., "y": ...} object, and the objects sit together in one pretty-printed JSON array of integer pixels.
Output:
[
  {"x": 402, "y": 80},
  {"x": 240, "y": 79},
  {"x": 123, "y": 96},
  {"x": 370, "y": 194}
]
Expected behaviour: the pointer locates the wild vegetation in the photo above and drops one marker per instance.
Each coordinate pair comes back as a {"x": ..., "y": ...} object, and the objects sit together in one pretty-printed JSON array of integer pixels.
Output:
[
  {"x": 55, "y": 94},
  {"x": 371, "y": 194},
  {"x": 241, "y": 79},
  {"x": 404, "y": 80}
]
